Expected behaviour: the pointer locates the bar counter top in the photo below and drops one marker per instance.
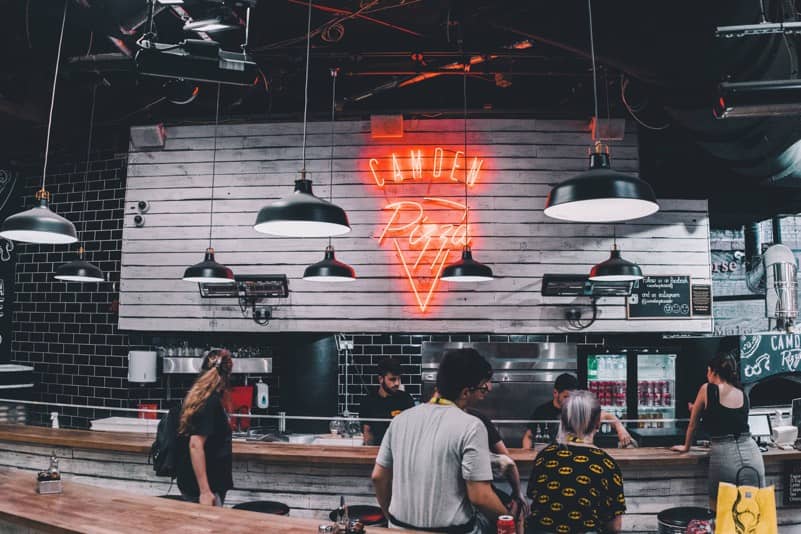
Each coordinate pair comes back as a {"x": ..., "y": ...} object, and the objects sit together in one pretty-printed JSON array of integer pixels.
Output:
[
  {"x": 318, "y": 454},
  {"x": 82, "y": 508}
]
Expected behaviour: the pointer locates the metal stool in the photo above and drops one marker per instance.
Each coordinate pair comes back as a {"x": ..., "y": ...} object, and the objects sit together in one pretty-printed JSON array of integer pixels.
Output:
[
  {"x": 265, "y": 507},
  {"x": 172, "y": 497},
  {"x": 369, "y": 515},
  {"x": 675, "y": 520}
]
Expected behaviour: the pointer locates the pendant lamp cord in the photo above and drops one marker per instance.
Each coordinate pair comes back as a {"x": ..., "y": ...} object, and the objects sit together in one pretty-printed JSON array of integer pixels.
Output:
[
  {"x": 334, "y": 73},
  {"x": 53, "y": 94},
  {"x": 82, "y": 222},
  {"x": 214, "y": 163},
  {"x": 614, "y": 236},
  {"x": 592, "y": 55},
  {"x": 306, "y": 88}
]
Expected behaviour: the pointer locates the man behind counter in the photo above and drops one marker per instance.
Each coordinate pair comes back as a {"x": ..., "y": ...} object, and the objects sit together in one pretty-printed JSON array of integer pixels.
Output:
[
  {"x": 552, "y": 410},
  {"x": 385, "y": 402}
]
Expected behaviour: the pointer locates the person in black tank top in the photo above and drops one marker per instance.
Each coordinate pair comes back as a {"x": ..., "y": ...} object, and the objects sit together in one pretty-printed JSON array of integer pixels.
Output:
[{"x": 731, "y": 445}]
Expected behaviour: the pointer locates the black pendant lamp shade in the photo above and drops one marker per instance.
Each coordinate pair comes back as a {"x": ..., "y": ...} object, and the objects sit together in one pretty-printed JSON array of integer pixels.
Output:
[
  {"x": 467, "y": 270},
  {"x": 601, "y": 194},
  {"x": 39, "y": 225},
  {"x": 79, "y": 270},
  {"x": 329, "y": 269},
  {"x": 301, "y": 214},
  {"x": 209, "y": 271},
  {"x": 616, "y": 269}
]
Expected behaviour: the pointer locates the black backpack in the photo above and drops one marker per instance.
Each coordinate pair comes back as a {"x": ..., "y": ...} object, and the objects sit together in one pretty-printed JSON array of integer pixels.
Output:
[{"x": 164, "y": 451}]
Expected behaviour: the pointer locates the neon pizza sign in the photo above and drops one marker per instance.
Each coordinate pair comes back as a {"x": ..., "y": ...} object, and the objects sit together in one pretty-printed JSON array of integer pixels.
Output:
[{"x": 426, "y": 230}]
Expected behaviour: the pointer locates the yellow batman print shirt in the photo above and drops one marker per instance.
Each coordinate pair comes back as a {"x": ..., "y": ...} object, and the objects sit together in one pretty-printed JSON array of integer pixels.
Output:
[{"x": 574, "y": 489}]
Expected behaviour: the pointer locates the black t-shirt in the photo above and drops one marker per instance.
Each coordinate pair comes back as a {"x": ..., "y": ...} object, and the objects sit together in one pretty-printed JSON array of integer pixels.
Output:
[
  {"x": 210, "y": 421},
  {"x": 374, "y": 406},
  {"x": 574, "y": 489},
  {"x": 546, "y": 412},
  {"x": 493, "y": 434}
]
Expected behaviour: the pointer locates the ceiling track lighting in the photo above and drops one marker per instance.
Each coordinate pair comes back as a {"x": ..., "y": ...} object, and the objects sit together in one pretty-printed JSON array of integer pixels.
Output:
[
  {"x": 330, "y": 269},
  {"x": 209, "y": 270},
  {"x": 466, "y": 269},
  {"x": 301, "y": 214},
  {"x": 600, "y": 194},
  {"x": 211, "y": 25},
  {"x": 758, "y": 99},
  {"x": 81, "y": 270},
  {"x": 39, "y": 224}
]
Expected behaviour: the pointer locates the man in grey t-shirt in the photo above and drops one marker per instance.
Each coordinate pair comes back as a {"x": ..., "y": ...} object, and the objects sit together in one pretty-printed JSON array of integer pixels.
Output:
[{"x": 433, "y": 466}]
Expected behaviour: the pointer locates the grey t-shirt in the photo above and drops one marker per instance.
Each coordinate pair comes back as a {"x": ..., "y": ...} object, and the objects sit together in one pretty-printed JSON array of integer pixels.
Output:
[{"x": 432, "y": 449}]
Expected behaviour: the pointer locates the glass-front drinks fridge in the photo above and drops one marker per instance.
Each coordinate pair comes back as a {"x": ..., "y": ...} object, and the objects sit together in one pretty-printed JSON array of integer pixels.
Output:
[{"x": 632, "y": 383}]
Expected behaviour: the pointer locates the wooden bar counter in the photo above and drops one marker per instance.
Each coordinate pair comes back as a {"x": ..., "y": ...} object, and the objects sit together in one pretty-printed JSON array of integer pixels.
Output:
[
  {"x": 82, "y": 508},
  {"x": 310, "y": 478}
]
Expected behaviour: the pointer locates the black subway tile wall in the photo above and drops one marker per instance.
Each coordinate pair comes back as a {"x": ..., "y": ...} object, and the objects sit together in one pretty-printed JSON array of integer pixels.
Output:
[{"x": 67, "y": 330}]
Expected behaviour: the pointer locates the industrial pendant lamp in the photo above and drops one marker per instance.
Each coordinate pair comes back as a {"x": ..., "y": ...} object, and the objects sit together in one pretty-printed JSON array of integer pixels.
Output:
[
  {"x": 600, "y": 194},
  {"x": 81, "y": 270},
  {"x": 39, "y": 224},
  {"x": 301, "y": 214},
  {"x": 209, "y": 270},
  {"x": 615, "y": 269},
  {"x": 330, "y": 269},
  {"x": 466, "y": 269}
]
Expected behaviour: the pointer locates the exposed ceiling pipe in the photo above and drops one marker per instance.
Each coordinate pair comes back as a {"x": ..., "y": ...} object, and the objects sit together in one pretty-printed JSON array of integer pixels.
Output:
[
  {"x": 773, "y": 274},
  {"x": 455, "y": 67}
]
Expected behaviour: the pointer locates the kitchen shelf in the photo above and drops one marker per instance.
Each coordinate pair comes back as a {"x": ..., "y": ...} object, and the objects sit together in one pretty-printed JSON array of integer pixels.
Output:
[{"x": 181, "y": 365}]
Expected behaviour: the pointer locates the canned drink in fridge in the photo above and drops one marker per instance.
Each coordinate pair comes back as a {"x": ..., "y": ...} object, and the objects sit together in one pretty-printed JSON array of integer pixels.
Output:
[{"x": 506, "y": 525}]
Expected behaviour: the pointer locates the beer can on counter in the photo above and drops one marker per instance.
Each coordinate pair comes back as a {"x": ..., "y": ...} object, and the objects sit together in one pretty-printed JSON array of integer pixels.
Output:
[{"x": 506, "y": 525}]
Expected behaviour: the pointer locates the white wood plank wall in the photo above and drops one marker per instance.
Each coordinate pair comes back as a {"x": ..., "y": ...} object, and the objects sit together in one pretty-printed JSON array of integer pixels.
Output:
[{"x": 257, "y": 163}]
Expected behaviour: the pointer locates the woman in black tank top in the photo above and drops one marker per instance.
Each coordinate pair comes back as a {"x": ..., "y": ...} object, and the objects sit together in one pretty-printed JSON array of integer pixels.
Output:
[{"x": 731, "y": 445}]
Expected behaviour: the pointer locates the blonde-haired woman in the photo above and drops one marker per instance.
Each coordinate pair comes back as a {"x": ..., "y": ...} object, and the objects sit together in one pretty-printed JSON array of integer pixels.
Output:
[
  {"x": 575, "y": 486},
  {"x": 204, "y": 471}
]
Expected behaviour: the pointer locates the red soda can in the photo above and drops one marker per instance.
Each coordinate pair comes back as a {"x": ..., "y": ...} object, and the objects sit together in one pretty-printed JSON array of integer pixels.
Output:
[{"x": 506, "y": 525}]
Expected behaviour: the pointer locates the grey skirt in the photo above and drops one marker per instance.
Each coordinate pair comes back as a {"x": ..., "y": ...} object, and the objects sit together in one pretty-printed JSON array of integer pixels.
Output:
[{"x": 727, "y": 456}]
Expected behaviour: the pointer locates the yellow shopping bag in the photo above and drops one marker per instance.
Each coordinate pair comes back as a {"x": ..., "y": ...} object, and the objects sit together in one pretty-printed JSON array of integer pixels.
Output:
[{"x": 745, "y": 509}]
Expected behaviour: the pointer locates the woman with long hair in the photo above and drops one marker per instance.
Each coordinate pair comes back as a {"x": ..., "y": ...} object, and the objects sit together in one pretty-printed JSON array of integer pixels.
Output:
[
  {"x": 204, "y": 471},
  {"x": 724, "y": 407}
]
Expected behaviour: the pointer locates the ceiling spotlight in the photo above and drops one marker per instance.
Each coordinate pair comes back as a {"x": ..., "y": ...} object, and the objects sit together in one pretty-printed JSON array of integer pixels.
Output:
[
  {"x": 208, "y": 25},
  {"x": 760, "y": 28},
  {"x": 758, "y": 99}
]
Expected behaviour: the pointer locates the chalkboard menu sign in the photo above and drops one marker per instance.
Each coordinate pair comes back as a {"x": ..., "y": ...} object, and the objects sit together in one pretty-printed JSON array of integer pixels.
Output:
[
  {"x": 792, "y": 483},
  {"x": 768, "y": 354},
  {"x": 660, "y": 297}
]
